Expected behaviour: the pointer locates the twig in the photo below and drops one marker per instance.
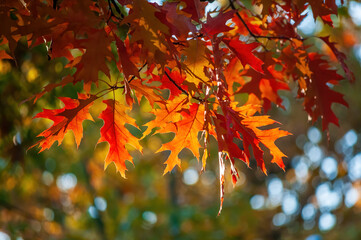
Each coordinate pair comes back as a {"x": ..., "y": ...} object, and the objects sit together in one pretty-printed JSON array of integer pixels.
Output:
[
  {"x": 140, "y": 69},
  {"x": 175, "y": 84},
  {"x": 261, "y": 36},
  {"x": 181, "y": 89},
  {"x": 105, "y": 82}
]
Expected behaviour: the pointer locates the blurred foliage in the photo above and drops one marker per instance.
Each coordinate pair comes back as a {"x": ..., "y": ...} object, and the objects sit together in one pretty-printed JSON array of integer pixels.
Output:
[{"x": 64, "y": 193}]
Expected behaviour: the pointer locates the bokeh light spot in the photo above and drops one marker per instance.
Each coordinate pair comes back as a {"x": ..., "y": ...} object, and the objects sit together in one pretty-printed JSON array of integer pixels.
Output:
[
  {"x": 314, "y": 135},
  {"x": 350, "y": 138},
  {"x": 66, "y": 182},
  {"x": 308, "y": 212},
  {"x": 4, "y": 236},
  {"x": 100, "y": 203},
  {"x": 279, "y": 219},
  {"x": 354, "y": 167},
  {"x": 354, "y": 11},
  {"x": 257, "y": 201},
  {"x": 150, "y": 217},
  {"x": 351, "y": 197},
  {"x": 326, "y": 198},
  {"x": 290, "y": 203},
  {"x": 190, "y": 176},
  {"x": 329, "y": 167},
  {"x": 327, "y": 221},
  {"x": 93, "y": 212}
]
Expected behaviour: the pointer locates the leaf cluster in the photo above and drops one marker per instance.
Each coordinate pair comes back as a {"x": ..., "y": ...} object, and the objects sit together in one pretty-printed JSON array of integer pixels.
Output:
[{"x": 183, "y": 64}]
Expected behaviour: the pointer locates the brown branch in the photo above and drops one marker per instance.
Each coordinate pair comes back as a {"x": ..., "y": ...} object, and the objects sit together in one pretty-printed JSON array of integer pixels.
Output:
[
  {"x": 261, "y": 36},
  {"x": 115, "y": 87},
  {"x": 140, "y": 69},
  {"x": 179, "y": 43},
  {"x": 175, "y": 84},
  {"x": 181, "y": 89}
]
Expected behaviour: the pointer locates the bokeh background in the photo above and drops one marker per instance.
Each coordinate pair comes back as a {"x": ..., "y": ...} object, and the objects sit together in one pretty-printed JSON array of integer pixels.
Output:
[{"x": 65, "y": 193}]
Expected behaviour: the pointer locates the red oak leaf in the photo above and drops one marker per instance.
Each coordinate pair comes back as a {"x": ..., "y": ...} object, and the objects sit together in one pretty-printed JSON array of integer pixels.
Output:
[
  {"x": 97, "y": 51},
  {"x": 216, "y": 25},
  {"x": 319, "y": 95},
  {"x": 127, "y": 66},
  {"x": 240, "y": 122},
  {"x": 179, "y": 24},
  {"x": 341, "y": 57},
  {"x": 172, "y": 81},
  {"x": 195, "y": 8},
  {"x": 265, "y": 86},
  {"x": 244, "y": 53}
]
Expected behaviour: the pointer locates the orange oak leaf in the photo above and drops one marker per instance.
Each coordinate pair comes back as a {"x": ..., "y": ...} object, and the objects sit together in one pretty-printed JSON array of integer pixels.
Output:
[
  {"x": 115, "y": 133},
  {"x": 184, "y": 119},
  {"x": 241, "y": 123},
  {"x": 70, "y": 117},
  {"x": 196, "y": 61},
  {"x": 148, "y": 30},
  {"x": 252, "y": 23},
  {"x": 149, "y": 92},
  {"x": 186, "y": 135},
  {"x": 167, "y": 114},
  {"x": 4, "y": 55}
]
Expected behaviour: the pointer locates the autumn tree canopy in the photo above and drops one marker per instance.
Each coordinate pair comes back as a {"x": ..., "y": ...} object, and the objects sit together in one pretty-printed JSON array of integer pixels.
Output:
[{"x": 186, "y": 66}]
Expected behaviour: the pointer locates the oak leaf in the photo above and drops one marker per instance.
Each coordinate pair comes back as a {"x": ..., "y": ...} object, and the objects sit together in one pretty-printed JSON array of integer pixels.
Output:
[
  {"x": 241, "y": 122},
  {"x": 319, "y": 95},
  {"x": 341, "y": 57},
  {"x": 117, "y": 135},
  {"x": 244, "y": 53},
  {"x": 70, "y": 117},
  {"x": 185, "y": 120}
]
